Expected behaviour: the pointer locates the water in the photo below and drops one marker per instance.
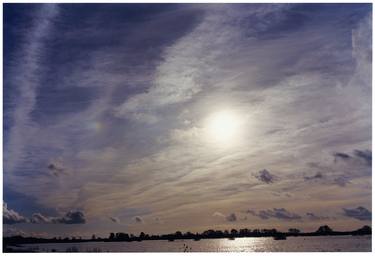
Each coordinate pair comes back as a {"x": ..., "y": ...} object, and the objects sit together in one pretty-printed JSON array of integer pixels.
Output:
[{"x": 292, "y": 244}]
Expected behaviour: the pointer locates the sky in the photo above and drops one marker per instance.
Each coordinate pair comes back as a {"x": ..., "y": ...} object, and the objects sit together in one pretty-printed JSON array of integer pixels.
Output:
[{"x": 166, "y": 117}]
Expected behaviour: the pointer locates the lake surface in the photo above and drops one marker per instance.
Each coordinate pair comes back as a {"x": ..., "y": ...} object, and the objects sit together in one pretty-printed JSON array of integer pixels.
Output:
[{"x": 262, "y": 244}]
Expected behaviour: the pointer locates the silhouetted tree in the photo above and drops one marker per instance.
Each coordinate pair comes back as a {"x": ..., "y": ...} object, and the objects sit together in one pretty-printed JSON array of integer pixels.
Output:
[
  {"x": 365, "y": 230},
  {"x": 294, "y": 231},
  {"x": 324, "y": 230},
  {"x": 233, "y": 232},
  {"x": 112, "y": 236}
]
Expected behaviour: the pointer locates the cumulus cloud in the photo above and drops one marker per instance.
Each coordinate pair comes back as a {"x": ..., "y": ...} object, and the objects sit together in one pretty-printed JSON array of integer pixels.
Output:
[
  {"x": 265, "y": 176},
  {"x": 12, "y": 217},
  {"x": 72, "y": 217},
  {"x": 40, "y": 218},
  {"x": 359, "y": 213},
  {"x": 277, "y": 213}
]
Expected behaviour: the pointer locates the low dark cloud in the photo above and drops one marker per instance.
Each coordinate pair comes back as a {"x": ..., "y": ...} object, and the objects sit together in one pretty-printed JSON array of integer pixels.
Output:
[
  {"x": 365, "y": 155},
  {"x": 318, "y": 175},
  {"x": 114, "y": 219},
  {"x": 72, "y": 217},
  {"x": 138, "y": 219},
  {"x": 359, "y": 213},
  {"x": 313, "y": 216},
  {"x": 277, "y": 213},
  {"x": 362, "y": 155},
  {"x": 12, "y": 217},
  {"x": 231, "y": 217},
  {"x": 342, "y": 156},
  {"x": 56, "y": 169},
  {"x": 265, "y": 176}
]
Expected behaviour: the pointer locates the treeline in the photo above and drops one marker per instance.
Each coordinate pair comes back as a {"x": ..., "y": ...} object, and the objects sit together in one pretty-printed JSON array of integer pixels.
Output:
[
  {"x": 208, "y": 234},
  {"x": 212, "y": 234}
]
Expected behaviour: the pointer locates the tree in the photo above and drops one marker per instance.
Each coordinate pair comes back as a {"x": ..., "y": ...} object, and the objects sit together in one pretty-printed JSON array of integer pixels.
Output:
[
  {"x": 324, "y": 230},
  {"x": 142, "y": 235},
  {"x": 233, "y": 232},
  {"x": 294, "y": 231},
  {"x": 112, "y": 236}
]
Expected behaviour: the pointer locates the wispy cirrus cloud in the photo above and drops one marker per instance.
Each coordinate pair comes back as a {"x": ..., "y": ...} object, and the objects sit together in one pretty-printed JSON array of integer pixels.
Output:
[{"x": 29, "y": 69}]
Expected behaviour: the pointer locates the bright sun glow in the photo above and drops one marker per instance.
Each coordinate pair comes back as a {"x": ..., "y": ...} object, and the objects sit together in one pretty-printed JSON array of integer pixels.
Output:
[{"x": 223, "y": 127}]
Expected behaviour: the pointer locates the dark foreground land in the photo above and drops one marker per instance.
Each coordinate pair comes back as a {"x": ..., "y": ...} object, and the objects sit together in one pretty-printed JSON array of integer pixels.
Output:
[{"x": 10, "y": 244}]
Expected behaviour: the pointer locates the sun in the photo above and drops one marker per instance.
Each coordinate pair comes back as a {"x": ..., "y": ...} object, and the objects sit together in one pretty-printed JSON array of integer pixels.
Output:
[{"x": 223, "y": 127}]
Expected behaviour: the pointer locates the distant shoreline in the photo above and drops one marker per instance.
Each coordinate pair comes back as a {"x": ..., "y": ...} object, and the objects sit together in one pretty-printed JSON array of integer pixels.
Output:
[{"x": 208, "y": 234}]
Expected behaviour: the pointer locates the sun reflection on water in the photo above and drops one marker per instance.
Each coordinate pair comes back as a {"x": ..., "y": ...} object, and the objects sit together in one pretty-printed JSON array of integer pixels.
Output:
[{"x": 243, "y": 244}]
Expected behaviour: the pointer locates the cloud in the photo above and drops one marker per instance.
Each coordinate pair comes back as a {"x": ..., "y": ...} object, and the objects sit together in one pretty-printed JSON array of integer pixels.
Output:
[
  {"x": 138, "y": 219},
  {"x": 318, "y": 175},
  {"x": 313, "y": 216},
  {"x": 365, "y": 155},
  {"x": 277, "y": 213},
  {"x": 345, "y": 168},
  {"x": 12, "y": 217},
  {"x": 231, "y": 217},
  {"x": 11, "y": 231},
  {"x": 71, "y": 217},
  {"x": 56, "y": 168},
  {"x": 114, "y": 219},
  {"x": 359, "y": 213},
  {"x": 341, "y": 181},
  {"x": 341, "y": 156},
  {"x": 218, "y": 214},
  {"x": 261, "y": 60},
  {"x": 40, "y": 218},
  {"x": 159, "y": 220},
  {"x": 265, "y": 176},
  {"x": 29, "y": 70}
]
